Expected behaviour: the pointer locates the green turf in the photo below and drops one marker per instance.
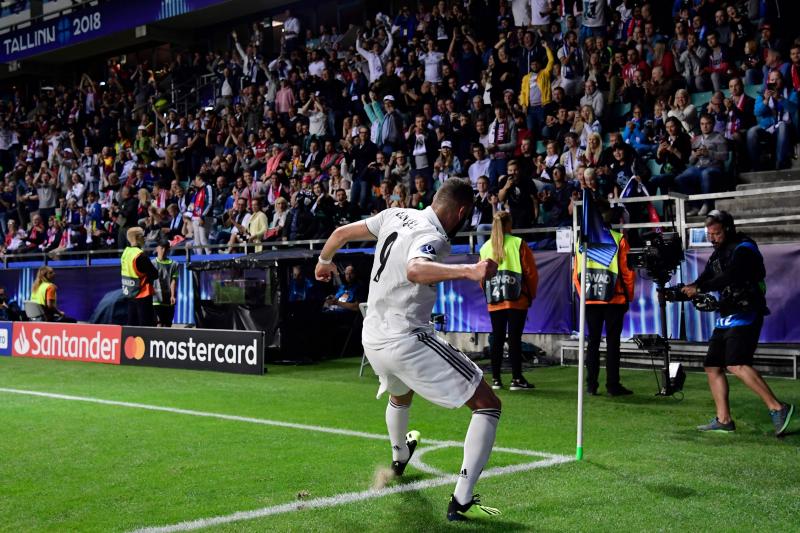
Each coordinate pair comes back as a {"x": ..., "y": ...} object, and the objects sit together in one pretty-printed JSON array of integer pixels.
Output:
[{"x": 72, "y": 466}]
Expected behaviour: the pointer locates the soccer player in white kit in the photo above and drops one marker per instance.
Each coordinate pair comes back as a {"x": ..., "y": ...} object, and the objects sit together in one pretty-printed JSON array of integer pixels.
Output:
[{"x": 399, "y": 341}]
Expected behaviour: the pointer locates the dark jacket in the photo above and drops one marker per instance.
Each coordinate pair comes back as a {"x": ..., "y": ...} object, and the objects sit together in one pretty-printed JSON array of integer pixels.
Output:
[{"x": 736, "y": 270}]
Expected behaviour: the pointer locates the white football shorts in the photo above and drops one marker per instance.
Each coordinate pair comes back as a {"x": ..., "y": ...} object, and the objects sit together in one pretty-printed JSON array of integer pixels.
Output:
[{"x": 429, "y": 366}]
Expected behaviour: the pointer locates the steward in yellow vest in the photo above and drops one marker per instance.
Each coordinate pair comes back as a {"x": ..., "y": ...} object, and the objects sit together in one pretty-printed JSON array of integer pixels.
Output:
[
  {"x": 138, "y": 275},
  {"x": 609, "y": 291},
  {"x": 44, "y": 294},
  {"x": 509, "y": 294}
]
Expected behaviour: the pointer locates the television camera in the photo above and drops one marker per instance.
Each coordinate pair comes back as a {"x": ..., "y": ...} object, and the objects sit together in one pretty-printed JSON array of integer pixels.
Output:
[{"x": 658, "y": 260}]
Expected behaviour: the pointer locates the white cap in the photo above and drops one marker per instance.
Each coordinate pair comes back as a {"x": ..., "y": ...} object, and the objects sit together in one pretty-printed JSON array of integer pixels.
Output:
[
  {"x": 447, "y": 144},
  {"x": 388, "y": 97}
]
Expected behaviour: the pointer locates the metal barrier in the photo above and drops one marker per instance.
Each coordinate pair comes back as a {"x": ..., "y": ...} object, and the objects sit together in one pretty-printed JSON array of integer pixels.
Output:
[
  {"x": 681, "y": 224},
  {"x": 189, "y": 250}
]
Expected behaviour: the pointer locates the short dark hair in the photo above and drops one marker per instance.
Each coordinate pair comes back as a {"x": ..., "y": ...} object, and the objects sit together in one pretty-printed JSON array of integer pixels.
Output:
[{"x": 455, "y": 192}]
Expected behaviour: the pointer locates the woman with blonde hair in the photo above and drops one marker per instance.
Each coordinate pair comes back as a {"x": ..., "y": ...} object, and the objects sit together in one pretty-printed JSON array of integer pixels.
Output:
[
  {"x": 509, "y": 294},
  {"x": 683, "y": 110},
  {"x": 594, "y": 150},
  {"x": 44, "y": 294},
  {"x": 585, "y": 124}
]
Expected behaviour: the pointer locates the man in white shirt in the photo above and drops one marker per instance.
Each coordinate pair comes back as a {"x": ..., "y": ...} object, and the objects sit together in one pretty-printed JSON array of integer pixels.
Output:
[
  {"x": 432, "y": 59},
  {"x": 594, "y": 19},
  {"x": 397, "y": 337},
  {"x": 481, "y": 165},
  {"x": 375, "y": 59}
]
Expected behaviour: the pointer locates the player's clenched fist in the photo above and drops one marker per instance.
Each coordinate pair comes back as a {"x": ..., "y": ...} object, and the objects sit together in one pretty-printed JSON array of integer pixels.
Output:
[
  {"x": 324, "y": 272},
  {"x": 483, "y": 269}
]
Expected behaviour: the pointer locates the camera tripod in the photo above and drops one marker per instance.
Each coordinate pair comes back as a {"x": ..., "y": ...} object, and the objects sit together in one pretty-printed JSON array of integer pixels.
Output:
[{"x": 658, "y": 346}]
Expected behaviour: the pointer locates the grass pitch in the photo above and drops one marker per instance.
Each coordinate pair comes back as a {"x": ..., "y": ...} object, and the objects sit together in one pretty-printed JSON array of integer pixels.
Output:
[{"x": 78, "y": 466}]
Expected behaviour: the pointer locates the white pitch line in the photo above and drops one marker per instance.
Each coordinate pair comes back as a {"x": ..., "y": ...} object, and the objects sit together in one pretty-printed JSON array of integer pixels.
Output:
[
  {"x": 343, "y": 499},
  {"x": 251, "y": 420},
  {"x": 549, "y": 459}
]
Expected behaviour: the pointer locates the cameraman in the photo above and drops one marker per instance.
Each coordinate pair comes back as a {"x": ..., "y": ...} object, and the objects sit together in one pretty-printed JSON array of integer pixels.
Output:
[
  {"x": 609, "y": 291},
  {"x": 735, "y": 270}
]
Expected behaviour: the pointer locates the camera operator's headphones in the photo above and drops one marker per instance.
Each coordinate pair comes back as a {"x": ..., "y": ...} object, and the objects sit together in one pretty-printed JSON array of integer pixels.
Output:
[{"x": 723, "y": 218}]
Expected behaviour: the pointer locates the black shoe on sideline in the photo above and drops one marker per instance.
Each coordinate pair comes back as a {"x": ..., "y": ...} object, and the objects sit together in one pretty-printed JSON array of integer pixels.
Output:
[
  {"x": 619, "y": 390},
  {"x": 521, "y": 384}
]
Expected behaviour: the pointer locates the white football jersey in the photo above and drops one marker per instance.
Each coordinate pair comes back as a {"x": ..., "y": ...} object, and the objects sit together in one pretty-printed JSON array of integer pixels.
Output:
[{"x": 397, "y": 307}]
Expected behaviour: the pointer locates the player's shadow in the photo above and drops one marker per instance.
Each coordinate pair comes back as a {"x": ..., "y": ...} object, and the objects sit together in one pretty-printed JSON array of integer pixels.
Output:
[
  {"x": 669, "y": 490},
  {"x": 420, "y": 511}
]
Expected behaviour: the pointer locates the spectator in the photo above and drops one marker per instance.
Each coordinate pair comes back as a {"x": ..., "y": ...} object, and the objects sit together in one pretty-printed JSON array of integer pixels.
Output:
[
  {"x": 485, "y": 208},
  {"x": 9, "y": 309},
  {"x": 374, "y": 56},
  {"x": 423, "y": 197},
  {"x": 202, "y": 221},
  {"x": 672, "y": 154},
  {"x": 684, "y": 111},
  {"x": 593, "y": 98},
  {"x": 535, "y": 91},
  {"x": 775, "y": 111},
  {"x": 519, "y": 194},
  {"x": 705, "y": 171}
]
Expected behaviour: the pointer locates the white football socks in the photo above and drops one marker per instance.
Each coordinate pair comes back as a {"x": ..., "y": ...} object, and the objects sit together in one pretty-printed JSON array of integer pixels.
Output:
[
  {"x": 397, "y": 424},
  {"x": 477, "y": 448}
]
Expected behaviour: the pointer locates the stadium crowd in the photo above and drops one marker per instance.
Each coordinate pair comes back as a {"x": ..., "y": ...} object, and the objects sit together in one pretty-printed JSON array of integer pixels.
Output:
[{"x": 531, "y": 101}]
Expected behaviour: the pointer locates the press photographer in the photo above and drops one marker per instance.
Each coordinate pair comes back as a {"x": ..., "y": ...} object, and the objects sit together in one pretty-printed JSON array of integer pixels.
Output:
[{"x": 736, "y": 271}]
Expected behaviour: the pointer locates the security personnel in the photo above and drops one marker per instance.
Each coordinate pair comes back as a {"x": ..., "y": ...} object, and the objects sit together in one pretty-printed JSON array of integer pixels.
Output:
[
  {"x": 44, "y": 293},
  {"x": 736, "y": 271},
  {"x": 138, "y": 275},
  {"x": 609, "y": 292},
  {"x": 509, "y": 294},
  {"x": 165, "y": 287}
]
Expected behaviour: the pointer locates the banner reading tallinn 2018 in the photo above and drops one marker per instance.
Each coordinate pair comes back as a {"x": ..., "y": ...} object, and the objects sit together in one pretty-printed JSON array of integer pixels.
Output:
[{"x": 92, "y": 22}]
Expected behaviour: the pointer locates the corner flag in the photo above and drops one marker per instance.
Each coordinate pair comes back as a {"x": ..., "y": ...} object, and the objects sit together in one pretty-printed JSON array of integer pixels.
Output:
[{"x": 597, "y": 240}]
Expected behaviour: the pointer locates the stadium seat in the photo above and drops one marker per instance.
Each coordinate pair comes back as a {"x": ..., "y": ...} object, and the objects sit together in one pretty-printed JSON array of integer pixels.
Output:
[
  {"x": 619, "y": 110},
  {"x": 701, "y": 99},
  {"x": 655, "y": 169},
  {"x": 540, "y": 147},
  {"x": 364, "y": 361},
  {"x": 754, "y": 91}
]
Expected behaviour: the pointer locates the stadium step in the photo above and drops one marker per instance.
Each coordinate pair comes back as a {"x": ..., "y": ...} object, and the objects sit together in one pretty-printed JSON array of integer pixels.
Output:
[
  {"x": 774, "y": 233},
  {"x": 769, "y": 176},
  {"x": 766, "y": 205},
  {"x": 766, "y": 185}
]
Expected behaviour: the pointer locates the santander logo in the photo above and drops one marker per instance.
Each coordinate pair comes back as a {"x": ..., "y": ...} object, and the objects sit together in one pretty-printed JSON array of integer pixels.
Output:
[
  {"x": 72, "y": 342},
  {"x": 21, "y": 345}
]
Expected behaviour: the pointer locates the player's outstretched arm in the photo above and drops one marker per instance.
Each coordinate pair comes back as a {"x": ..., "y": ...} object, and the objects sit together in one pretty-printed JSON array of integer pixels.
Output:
[
  {"x": 426, "y": 272},
  {"x": 356, "y": 231}
]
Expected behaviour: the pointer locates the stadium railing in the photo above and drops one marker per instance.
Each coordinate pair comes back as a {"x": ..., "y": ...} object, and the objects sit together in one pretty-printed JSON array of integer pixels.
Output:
[{"x": 677, "y": 202}]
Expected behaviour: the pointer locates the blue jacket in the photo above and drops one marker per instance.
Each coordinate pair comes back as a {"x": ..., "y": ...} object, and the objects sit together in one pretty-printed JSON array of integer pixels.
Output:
[{"x": 767, "y": 117}]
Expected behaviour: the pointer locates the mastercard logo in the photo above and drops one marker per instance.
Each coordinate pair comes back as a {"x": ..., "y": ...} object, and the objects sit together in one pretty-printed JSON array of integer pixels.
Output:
[{"x": 134, "y": 348}]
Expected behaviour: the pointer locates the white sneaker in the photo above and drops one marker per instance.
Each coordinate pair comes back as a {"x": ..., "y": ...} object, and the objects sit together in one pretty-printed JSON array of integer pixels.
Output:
[
  {"x": 692, "y": 212},
  {"x": 704, "y": 210}
]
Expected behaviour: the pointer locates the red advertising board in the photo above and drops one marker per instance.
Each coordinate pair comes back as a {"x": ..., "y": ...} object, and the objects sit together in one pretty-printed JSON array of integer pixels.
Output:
[{"x": 71, "y": 342}]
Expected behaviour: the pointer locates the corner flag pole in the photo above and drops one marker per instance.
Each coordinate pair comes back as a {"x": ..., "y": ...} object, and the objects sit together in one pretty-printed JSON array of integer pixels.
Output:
[{"x": 581, "y": 349}]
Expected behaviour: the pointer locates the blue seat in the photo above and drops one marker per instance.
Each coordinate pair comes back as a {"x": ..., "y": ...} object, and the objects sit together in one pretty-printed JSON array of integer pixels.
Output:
[
  {"x": 754, "y": 91},
  {"x": 540, "y": 147},
  {"x": 701, "y": 99},
  {"x": 620, "y": 110},
  {"x": 655, "y": 169}
]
